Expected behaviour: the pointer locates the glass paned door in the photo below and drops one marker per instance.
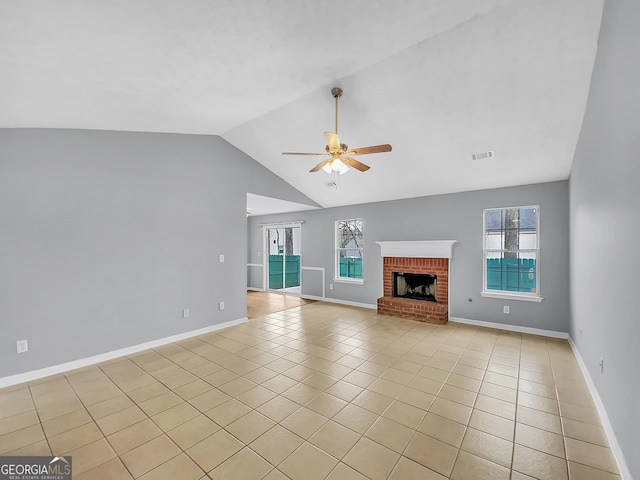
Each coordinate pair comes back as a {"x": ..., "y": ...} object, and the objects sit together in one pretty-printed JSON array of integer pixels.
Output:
[{"x": 283, "y": 254}]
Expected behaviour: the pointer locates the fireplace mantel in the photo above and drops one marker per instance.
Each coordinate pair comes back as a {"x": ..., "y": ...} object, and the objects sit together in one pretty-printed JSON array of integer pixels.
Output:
[{"x": 417, "y": 248}]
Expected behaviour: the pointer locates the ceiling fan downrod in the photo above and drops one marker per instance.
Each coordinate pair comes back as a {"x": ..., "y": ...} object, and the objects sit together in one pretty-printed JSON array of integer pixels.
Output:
[{"x": 337, "y": 93}]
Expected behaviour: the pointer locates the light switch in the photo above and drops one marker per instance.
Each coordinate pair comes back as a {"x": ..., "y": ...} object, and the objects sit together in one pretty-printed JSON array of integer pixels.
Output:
[
  {"x": 22, "y": 346},
  {"x": 221, "y": 258}
]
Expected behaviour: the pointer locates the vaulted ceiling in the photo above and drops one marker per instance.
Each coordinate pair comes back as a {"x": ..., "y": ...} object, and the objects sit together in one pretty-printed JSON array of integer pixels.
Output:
[{"x": 437, "y": 79}]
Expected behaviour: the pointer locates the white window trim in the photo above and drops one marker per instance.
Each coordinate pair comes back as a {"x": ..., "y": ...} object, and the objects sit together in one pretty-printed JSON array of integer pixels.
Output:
[
  {"x": 503, "y": 294},
  {"x": 336, "y": 256},
  {"x": 353, "y": 281},
  {"x": 525, "y": 297}
]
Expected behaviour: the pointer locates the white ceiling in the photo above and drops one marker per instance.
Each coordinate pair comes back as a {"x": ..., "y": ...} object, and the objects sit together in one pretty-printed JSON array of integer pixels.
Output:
[{"x": 437, "y": 79}]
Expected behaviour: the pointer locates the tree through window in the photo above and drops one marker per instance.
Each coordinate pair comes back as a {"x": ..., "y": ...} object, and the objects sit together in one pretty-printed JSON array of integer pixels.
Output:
[
  {"x": 512, "y": 250},
  {"x": 349, "y": 248}
]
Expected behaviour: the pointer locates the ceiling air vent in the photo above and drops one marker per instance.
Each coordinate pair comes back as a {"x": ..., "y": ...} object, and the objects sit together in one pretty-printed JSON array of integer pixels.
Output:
[
  {"x": 483, "y": 155},
  {"x": 330, "y": 184}
]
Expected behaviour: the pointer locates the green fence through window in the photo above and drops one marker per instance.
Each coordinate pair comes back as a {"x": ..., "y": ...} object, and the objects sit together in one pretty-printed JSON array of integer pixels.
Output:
[
  {"x": 512, "y": 274},
  {"x": 351, "y": 267},
  {"x": 291, "y": 275}
]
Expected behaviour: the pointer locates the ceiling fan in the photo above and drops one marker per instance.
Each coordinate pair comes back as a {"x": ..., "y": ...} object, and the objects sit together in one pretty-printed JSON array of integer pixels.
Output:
[{"x": 341, "y": 159}]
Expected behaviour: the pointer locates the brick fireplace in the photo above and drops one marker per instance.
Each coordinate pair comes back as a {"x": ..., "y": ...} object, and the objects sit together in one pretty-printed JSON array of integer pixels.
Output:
[{"x": 416, "y": 257}]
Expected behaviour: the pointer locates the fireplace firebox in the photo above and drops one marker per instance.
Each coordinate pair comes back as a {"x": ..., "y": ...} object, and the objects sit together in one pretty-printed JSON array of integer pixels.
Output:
[
  {"x": 417, "y": 286},
  {"x": 427, "y": 257}
]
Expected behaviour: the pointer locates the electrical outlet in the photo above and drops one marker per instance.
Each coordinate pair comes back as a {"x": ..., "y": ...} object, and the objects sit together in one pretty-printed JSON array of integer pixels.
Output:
[
  {"x": 185, "y": 313},
  {"x": 221, "y": 305},
  {"x": 331, "y": 286},
  {"x": 505, "y": 309},
  {"x": 221, "y": 258},
  {"x": 22, "y": 346}
]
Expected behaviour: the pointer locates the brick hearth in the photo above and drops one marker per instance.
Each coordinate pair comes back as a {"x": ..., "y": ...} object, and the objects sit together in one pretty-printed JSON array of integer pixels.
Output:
[{"x": 431, "y": 312}]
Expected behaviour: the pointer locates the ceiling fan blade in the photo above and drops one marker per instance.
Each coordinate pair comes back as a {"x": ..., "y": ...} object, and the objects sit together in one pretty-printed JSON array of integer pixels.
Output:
[
  {"x": 374, "y": 149},
  {"x": 352, "y": 162},
  {"x": 302, "y": 153},
  {"x": 320, "y": 165},
  {"x": 333, "y": 142}
]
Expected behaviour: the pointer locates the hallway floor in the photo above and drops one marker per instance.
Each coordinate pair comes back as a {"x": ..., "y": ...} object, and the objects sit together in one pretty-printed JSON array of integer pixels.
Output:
[
  {"x": 264, "y": 303},
  {"x": 320, "y": 391}
]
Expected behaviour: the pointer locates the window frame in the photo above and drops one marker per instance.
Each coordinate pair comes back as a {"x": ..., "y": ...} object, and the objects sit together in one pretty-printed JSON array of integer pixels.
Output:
[
  {"x": 505, "y": 294},
  {"x": 337, "y": 249}
]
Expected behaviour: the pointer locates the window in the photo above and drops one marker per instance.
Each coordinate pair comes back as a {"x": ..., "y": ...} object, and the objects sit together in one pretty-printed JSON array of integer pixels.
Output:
[
  {"x": 511, "y": 253},
  {"x": 349, "y": 248}
]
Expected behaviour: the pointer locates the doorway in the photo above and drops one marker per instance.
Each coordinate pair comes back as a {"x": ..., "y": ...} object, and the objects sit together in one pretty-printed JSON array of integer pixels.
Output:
[{"x": 283, "y": 258}]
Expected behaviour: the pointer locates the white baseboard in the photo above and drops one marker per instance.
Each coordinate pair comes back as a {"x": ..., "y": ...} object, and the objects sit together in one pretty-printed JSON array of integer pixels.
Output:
[
  {"x": 103, "y": 357},
  {"x": 511, "y": 328},
  {"x": 625, "y": 474},
  {"x": 255, "y": 289},
  {"x": 341, "y": 302}
]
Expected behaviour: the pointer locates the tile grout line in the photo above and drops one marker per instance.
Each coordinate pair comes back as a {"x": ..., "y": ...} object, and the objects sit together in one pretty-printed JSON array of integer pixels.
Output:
[
  {"x": 515, "y": 414},
  {"x": 562, "y": 429},
  {"x": 35, "y": 407}
]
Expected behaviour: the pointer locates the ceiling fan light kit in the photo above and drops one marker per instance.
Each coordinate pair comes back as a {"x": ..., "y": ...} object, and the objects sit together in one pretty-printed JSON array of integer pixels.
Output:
[
  {"x": 338, "y": 161},
  {"x": 336, "y": 165}
]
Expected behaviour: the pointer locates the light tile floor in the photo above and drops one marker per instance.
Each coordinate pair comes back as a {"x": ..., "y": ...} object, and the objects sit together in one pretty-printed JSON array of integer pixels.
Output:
[{"x": 321, "y": 391}]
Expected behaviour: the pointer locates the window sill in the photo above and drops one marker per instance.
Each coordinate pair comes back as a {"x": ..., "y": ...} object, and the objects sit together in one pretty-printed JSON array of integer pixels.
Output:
[
  {"x": 512, "y": 296},
  {"x": 353, "y": 281}
]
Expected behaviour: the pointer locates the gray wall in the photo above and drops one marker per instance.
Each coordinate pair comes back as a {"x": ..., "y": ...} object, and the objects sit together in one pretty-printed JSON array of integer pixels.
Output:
[
  {"x": 106, "y": 236},
  {"x": 604, "y": 186},
  {"x": 444, "y": 217}
]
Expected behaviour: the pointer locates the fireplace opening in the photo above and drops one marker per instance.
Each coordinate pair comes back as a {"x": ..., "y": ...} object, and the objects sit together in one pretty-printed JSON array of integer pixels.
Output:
[{"x": 418, "y": 286}]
